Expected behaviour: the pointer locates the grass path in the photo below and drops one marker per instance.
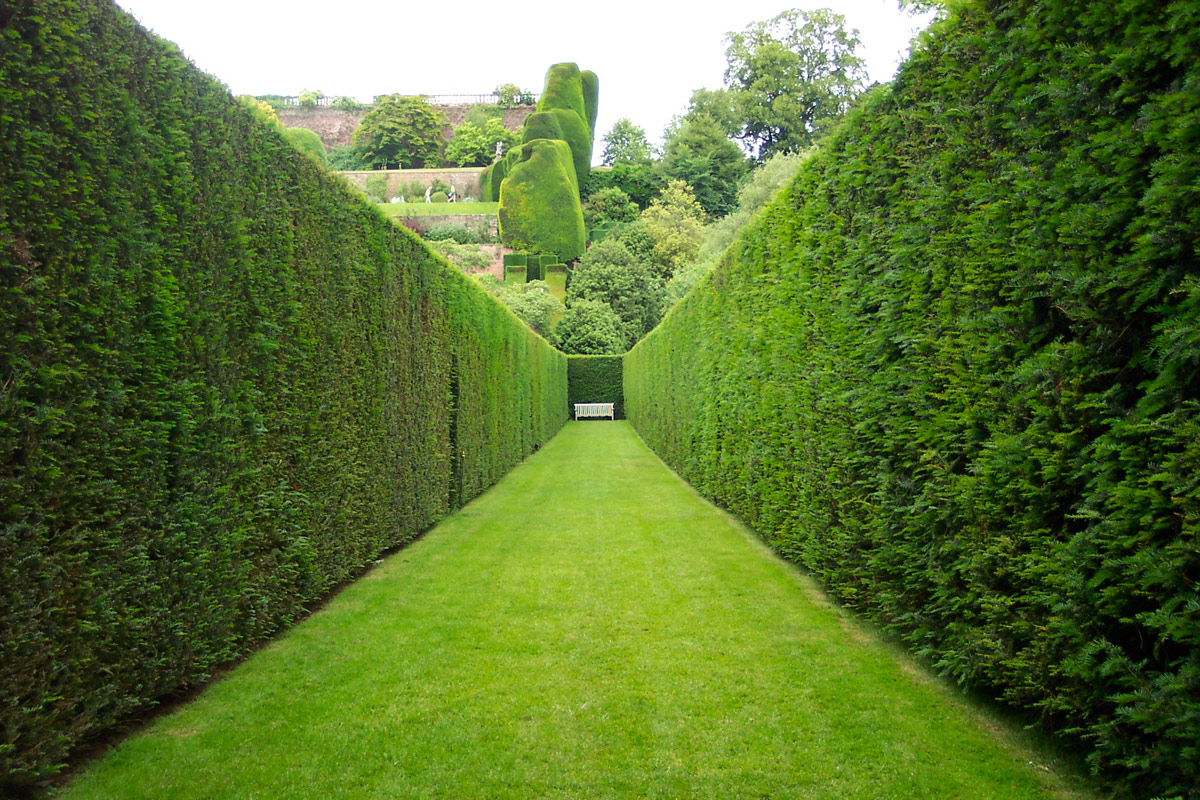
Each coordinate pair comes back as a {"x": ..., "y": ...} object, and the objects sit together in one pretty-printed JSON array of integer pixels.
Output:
[{"x": 588, "y": 628}]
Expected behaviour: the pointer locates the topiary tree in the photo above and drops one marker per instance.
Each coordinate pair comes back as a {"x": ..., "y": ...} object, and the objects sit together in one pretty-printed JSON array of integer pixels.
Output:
[
  {"x": 564, "y": 97},
  {"x": 591, "y": 99},
  {"x": 590, "y": 327},
  {"x": 539, "y": 201},
  {"x": 399, "y": 131},
  {"x": 541, "y": 125}
]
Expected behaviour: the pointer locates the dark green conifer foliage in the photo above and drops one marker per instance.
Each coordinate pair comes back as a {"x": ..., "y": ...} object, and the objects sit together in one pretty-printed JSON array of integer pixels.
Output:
[
  {"x": 591, "y": 99},
  {"x": 539, "y": 201},
  {"x": 227, "y": 383},
  {"x": 953, "y": 370}
]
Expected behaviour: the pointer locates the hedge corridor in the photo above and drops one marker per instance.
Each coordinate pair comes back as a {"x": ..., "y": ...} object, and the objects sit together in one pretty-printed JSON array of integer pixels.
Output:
[
  {"x": 954, "y": 370},
  {"x": 226, "y": 384}
]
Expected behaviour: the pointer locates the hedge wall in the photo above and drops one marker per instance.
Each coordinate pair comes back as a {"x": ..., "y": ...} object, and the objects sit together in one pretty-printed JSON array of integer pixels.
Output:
[
  {"x": 225, "y": 383},
  {"x": 954, "y": 370},
  {"x": 596, "y": 379}
]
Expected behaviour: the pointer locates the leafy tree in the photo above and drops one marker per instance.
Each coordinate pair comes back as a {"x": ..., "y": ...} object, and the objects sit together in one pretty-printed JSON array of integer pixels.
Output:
[
  {"x": 626, "y": 143},
  {"x": 346, "y": 159},
  {"x": 675, "y": 223},
  {"x": 345, "y": 103},
  {"x": 608, "y": 207},
  {"x": 309, "y": 98},
  {"x": 609, "y": 273},
  {"x": 475, "y": 145},
  {"x": 700, "y": 154},
  {"x": 590, "y": 327},
  {"x": 510, "y": 95},
  {"x": 792, "y": 75},
  {"x": 398, "y": 131},
  {"x": 721, "y": 105},
  {"x": 307, "y": 142}
]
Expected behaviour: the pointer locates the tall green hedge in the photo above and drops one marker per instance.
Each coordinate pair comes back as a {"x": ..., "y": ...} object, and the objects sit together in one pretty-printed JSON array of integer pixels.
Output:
[
  {"x": 225, "y": 383},
  {"x": 954, "y": 370},
  {"x": 596, "y": 379}
]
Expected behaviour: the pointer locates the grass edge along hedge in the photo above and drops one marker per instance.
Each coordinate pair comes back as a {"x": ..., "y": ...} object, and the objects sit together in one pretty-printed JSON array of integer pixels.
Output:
[
  {"x": 227, "y": 383},
  {"x": 952, "y": 371},
  {"x": 596, "y": 379}
]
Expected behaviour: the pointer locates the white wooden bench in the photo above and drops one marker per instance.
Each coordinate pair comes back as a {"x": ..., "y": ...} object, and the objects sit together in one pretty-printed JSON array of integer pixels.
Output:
[{"x": 594, "y": 410}]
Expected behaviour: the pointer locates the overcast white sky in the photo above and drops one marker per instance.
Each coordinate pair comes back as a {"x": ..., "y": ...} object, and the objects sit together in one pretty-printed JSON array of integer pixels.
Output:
[{"x": 649, "y": 55}]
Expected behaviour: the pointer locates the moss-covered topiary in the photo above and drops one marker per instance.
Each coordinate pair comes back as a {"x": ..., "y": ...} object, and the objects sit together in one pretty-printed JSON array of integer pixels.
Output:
[
  {"x": 563, "y": 89},
  {"x": 575, "y": 133},
  {"x": 591, "y": 99},
  {"x": 539, "y": 201},
  {"x": 542, "y": 125}
]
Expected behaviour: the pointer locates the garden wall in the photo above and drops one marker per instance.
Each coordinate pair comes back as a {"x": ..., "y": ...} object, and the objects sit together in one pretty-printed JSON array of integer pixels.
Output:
[
  {"x": 954, "y": 371},
  {"x": 226, "y": 383}
]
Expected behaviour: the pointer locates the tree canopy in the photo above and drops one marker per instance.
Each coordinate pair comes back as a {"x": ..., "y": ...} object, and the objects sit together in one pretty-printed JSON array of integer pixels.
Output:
[
  {"x": 609, "y": 273},
  {"x": 400, "y": 131},
  {"x": 791, "y": 76},
  {"x": 474, "y": 145},
  {"x": 626, "y": 143},
  {"x": 699, "y": 153},
  {"x": 590, "y": 327}
]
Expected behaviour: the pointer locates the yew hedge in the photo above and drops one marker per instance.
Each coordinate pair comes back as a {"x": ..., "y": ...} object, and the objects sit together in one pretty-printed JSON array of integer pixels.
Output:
[
  {"x": 226, "y": 384},
  {"x": 954, "y": 370}
]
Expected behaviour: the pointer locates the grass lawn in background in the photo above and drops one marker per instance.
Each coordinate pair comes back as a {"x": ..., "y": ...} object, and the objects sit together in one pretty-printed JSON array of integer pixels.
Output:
[
  {"x": 590, "y": 627},
  {"x": 437, "y": 209}
]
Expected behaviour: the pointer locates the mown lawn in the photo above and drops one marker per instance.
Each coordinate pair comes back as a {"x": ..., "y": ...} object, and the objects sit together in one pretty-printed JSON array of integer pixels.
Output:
[
  {"x": 588, "y": 628},
  {"x": 438, "y": 209}
]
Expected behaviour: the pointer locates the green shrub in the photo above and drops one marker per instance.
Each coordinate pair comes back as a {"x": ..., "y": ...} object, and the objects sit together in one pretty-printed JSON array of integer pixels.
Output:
[
  {"x": 228, "y": 382},
  {"x": 439, "y": 197},
  {"x": 306, "y": 142},
  {"x": 952, "y": 370},
  {"x": 539, "y": 201},
  {"x": 596, "y": 379},
  {"x": 589, "y": 327},
  {"x": 514, "y": 259},
  {"x": 376, "y": 188},
  {"x": 514, "y": 273}
]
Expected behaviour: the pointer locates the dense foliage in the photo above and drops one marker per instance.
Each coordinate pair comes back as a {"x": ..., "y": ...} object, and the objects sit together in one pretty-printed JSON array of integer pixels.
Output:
[
  {"x": 226, "y": 384},
  {"x": 596, "y": 379},
  {"x": 954, "y": 370},
  {"x": 610, "y": 273},
  {"x": 539, "y": 200},
  {"x": 699, "y": 154},
  {"x": 791, "y": 77},
  {"x": 475, "y": 145},
  {"x": 400, "y": 132},
  {"x": 626, "y": 142},
  {"x": 590, "y": 327}
]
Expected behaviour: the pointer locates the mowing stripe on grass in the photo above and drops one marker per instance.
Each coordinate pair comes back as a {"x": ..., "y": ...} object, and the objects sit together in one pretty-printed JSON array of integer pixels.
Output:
[{"x": 590, "y": 627}]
